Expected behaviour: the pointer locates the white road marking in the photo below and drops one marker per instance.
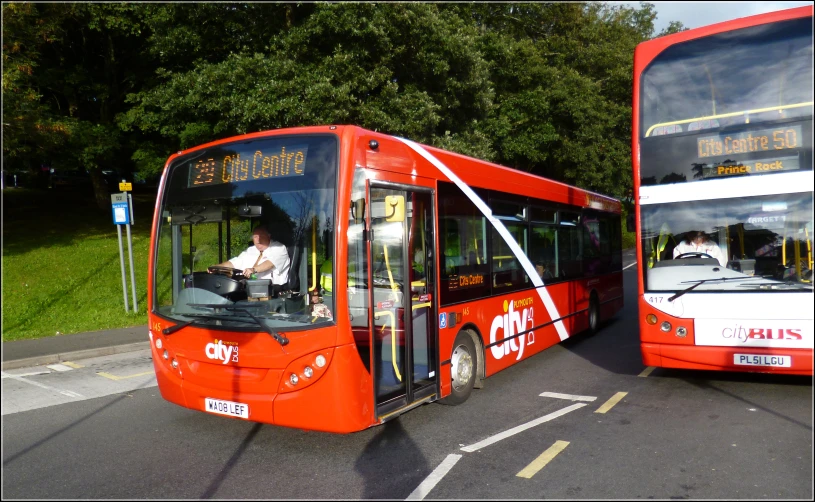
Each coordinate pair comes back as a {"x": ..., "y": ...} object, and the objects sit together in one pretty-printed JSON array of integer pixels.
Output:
[
  {"x": 59, "y": 367},
  {"x": 629, "y": 266},
  {"x": 432, "y": 480},
  {"x": 33, "y": 373},
  {"x": 515, "y": 430},
  {"x": 43, "y": 386},
  {"x": 569, "y": 397}
]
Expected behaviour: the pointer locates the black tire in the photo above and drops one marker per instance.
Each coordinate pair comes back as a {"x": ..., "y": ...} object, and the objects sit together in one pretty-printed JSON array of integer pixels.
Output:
[
  {"x": 463, "y": 366},
  {"x": 594, "y": 314}
]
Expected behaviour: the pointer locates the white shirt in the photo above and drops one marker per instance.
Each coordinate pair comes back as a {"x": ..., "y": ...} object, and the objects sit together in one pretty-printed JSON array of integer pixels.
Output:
[
  {"x": 275, "y": 253},
  {"x": 707, "y": 247}
]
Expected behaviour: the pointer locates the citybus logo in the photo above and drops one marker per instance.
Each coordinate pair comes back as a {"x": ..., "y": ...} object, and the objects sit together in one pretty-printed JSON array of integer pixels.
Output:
[
  {"x": 222, "y": 351},
  {"x": 743, "y": 334},
  {"x": 511, "y": 323}
]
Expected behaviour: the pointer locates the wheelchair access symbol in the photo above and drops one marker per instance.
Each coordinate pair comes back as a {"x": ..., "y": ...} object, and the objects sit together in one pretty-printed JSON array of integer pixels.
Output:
[{"x": 442, "y": 320}]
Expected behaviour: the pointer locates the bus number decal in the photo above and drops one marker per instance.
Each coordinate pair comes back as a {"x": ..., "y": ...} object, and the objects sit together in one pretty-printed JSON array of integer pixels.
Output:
[{"x": 655, "y": 299}]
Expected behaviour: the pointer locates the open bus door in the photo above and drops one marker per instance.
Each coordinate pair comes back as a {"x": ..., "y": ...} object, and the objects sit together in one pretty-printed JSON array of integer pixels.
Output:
[{"x": 403, "y": 298}]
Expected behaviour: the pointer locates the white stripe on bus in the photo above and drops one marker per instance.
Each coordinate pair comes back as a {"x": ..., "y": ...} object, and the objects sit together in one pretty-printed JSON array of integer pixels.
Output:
[{"x": 502, "y": 230}]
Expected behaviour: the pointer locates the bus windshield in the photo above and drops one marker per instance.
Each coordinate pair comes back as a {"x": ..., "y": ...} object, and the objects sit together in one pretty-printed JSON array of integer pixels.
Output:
[
  {"x": 732, "y": 104},
  {"x": 753, "y": 243},
  {"x": 213, "y": 200}
]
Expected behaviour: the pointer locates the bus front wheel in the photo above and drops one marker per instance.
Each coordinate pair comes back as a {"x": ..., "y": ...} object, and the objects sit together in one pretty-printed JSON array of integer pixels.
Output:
[{"x": 463, "y": 365}]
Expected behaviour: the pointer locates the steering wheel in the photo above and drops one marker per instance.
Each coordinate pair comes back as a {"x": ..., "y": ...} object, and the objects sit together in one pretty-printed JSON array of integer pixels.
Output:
[
  {"x": 232, "y": 273},
  {"x": 694, "y": 254}
]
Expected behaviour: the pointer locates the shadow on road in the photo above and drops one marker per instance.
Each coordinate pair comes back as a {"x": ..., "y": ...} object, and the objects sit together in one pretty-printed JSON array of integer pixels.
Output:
[{"x": 391, "y": 464}]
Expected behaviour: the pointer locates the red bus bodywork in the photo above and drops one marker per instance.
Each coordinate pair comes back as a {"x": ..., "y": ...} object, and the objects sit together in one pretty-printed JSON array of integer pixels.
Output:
[{"x": 340, "y": 396}]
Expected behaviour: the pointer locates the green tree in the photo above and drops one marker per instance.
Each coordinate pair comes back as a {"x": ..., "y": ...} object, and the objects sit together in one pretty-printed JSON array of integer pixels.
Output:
[
  {"x": 406, "y": 69},
  {"x": 67, "y": 70}
]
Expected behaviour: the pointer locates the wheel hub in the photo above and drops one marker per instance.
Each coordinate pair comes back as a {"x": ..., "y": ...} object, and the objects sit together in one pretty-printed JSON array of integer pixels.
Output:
[{"x": 461, "y": 367}]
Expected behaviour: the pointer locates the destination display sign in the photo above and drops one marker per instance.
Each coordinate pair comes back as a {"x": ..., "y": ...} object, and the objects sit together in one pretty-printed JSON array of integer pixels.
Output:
[
  {"x": 236, "y": 167},
  {"x": 765, "y": 140},
  {"x": 763, "y": 166}
]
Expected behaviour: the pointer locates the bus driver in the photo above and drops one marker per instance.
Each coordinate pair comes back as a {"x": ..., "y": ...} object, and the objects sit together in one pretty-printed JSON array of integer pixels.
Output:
[
  {"x": 266, "y": 258},
  {"x": 698, "y": 242}
]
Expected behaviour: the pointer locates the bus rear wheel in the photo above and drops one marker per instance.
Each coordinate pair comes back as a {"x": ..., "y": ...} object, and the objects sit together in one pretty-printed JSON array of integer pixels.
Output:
[
  {"x": 594, "y": 314},
  {"x": 463, "y": 365}
]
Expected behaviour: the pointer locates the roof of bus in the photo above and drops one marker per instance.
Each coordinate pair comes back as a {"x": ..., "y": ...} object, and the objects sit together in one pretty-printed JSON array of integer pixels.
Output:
[{"x": 508, "y": 176}]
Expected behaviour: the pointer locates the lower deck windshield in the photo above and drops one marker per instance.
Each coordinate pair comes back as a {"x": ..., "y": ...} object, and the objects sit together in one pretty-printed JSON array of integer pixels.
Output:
[
  {"x": 760, "y": 243},
  {"x": 208, "y": 238}
]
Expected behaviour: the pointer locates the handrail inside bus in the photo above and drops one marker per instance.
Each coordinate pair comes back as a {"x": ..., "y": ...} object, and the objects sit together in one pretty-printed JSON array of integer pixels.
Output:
[
  {"x": 313, "y": 254},
  {"x": 725, "y": 115},
  {"x": 393, "y": 339}
]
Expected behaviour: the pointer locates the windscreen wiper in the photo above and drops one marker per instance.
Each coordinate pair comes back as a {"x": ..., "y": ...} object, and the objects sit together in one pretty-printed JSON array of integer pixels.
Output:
[
  {"x": 282, "y": 340},
  {"x": 173, "y": 329},
  {"x": 698, "y": 283}
]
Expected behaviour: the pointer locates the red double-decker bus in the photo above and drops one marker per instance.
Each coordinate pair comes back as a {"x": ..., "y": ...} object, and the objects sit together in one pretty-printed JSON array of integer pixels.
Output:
[
  {"x": 396, "y": 274},
  {"x": 722, "y": 143}
]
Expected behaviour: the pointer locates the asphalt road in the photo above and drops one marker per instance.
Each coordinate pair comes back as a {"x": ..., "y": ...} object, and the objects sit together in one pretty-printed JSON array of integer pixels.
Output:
[{"x": 103, "y": 431}]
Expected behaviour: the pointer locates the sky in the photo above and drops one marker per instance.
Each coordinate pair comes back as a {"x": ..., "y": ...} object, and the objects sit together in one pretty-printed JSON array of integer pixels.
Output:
[{"x": 696, "y": 14}]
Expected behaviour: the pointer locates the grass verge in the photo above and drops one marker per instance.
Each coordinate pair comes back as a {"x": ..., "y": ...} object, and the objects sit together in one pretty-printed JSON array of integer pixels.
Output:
[{"x": 61, "y": 267}]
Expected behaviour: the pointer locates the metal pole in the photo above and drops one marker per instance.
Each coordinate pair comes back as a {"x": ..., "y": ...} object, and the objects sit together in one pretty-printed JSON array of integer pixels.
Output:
[
  {"x": 130, "y": 252},
  {"x": 122, "y": 263}
]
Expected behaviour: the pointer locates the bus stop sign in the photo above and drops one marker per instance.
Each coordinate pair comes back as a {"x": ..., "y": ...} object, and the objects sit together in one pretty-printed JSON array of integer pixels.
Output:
[{"x": 121, "y": 214}]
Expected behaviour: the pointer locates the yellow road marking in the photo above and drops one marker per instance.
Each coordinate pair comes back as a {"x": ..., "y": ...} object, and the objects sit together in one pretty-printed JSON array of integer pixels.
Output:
[
  {"x": 540, "y": 462},
  {"x": 72, "y": 365},
  {"x": 611, "y": 402},
  {"x": 647, "y": 371},
  {"x": 114, "y": 377}
]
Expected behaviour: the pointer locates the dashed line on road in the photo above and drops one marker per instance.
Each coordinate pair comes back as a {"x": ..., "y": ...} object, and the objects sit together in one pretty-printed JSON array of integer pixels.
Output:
[
  {"x": 611, "y": 402},
  {"x": 544, "y": 458},
  {"x": 433, "y": 479},
  {"x": 68, "y": 393},
  {"x": 647, "y": 371},
  {"x": 114, "y": 377},
  {"x": 569, "y": 397},
  {"x": 520, "y": 428}
]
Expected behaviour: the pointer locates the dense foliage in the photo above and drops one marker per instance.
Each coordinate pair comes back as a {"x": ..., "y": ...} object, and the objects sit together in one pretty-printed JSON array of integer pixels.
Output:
[{"x": 545, "y": 88}]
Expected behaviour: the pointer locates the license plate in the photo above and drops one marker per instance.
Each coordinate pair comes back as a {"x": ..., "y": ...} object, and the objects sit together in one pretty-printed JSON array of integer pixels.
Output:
[
  {"x": 227, "y": 408},
  {"x": 762, "y": 360}
]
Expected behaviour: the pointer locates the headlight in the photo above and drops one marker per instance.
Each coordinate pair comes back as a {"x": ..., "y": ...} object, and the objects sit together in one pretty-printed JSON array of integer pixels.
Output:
[
  {"x": 158, "y": 343},
  {"x": 320, "y": 361},
  {"x": 307, "y": 372},
  {"x": 665, "y": 326},
  {"x": 681, "y": 332},
  {"x": 293, "y": 379}
]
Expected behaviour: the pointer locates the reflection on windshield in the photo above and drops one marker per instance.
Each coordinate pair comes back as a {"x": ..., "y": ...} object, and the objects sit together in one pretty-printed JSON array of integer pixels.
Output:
[
  {"x": 711, "y": 82},
  {"x": 208, "y": 238},
  {"x": 768, "y": 238}
]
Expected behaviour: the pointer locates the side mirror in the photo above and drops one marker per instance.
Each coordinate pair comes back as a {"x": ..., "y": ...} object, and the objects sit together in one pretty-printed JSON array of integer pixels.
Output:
[
  {"x": 630, "y": 224},
  {"x": 358, "y": 210}
]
